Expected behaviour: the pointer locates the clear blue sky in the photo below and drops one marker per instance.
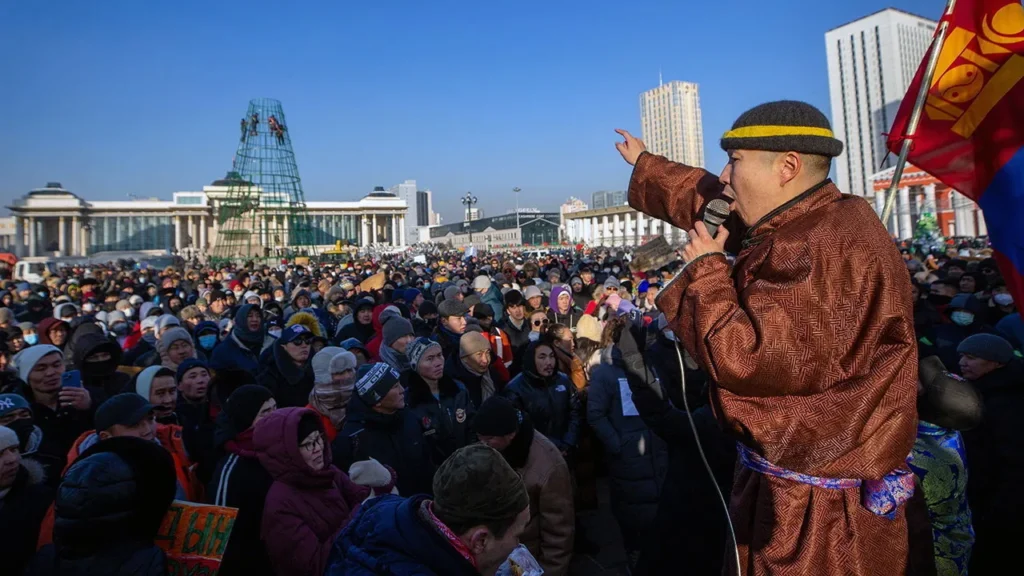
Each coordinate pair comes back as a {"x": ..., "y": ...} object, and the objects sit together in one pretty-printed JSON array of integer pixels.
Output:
[{"x": 115, "y": 97}]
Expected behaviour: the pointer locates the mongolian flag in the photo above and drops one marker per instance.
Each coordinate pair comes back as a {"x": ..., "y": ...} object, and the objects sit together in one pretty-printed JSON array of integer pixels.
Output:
[{"x": 971, "y": 132}]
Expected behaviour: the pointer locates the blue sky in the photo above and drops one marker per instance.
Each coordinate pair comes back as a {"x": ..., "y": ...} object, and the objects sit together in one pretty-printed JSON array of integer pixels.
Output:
[{"x": 126, "y": 97}]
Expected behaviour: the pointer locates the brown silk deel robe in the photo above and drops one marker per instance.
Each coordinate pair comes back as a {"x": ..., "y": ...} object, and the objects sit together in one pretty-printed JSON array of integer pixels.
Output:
[{"x": 809, "y": 340}]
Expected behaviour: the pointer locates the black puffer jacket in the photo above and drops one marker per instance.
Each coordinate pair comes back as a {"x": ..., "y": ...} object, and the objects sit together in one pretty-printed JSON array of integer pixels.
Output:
[
  {"x": 290, "y": 384},
  {"x": 109, "y": 508},
  {"x": 395, "y": 440},
  {"x": 21, "y": 513},
  {"x": 551, "y": 402},
  {"x": 637, "y": 458},
  {"x": 446, "y": 421}
]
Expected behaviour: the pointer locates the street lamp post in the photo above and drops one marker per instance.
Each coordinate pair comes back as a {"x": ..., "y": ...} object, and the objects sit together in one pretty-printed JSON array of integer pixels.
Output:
[
  {"x": 468, "y": 200},
  {"x": 516, "y": 191}
]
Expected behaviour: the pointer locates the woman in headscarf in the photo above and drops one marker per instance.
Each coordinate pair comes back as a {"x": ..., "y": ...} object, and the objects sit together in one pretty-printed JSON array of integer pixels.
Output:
[{"x": 334, "y": 376}]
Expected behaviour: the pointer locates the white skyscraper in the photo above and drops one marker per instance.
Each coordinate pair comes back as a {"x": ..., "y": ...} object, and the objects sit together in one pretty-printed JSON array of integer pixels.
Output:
[
  {"x": 407, "y": 191},
  {"x": 670, "y": 122},
  {"x": 871, "y": 62}
]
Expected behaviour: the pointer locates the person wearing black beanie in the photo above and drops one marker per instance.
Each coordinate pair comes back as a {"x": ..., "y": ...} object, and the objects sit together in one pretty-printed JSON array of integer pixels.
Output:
[
  {"x": 502, "y": 426},
  {"x": 239, "y": 481},
  {"x": 425, "y": 321}
]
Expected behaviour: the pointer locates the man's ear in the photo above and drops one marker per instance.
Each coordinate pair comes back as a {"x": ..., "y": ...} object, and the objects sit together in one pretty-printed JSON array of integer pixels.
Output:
[
  {"x": 790, "y": 164},
  {"x": 477, "y": 539}
]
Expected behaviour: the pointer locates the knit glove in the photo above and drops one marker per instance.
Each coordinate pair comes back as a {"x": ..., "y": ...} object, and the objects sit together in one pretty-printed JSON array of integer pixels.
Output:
[{"x": 375, "y": 475}]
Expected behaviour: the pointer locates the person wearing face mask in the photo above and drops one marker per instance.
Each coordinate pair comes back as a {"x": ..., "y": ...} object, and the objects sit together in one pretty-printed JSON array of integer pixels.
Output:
[
  {"x": 206, "y": 336},
  {"x": 964, "y": 313},
  {"x": 334, "y": 376},
  {"x": 28, "y": 333},
  {"x": 145, "y": 344},
  {"x": 97, "y": 358},
  {"x": 1001, "y": 304},
  {"x": 424, "y": 322},
  {"x": 310, "y": 500}
]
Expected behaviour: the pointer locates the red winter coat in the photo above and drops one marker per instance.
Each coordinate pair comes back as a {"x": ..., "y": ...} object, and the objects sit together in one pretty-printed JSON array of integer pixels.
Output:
[{"x": 305, "y": 509}]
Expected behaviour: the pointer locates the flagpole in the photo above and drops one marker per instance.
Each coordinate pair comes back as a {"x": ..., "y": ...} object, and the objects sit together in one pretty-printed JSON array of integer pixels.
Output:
[{"x": 915, "y": 115}]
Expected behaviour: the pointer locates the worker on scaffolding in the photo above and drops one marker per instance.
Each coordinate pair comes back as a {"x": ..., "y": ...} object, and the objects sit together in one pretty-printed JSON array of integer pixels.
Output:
[
  {"x": 276, "y": 128},
  {"x": 245, "y": 129},
  {"x": 253, "y": 123}
]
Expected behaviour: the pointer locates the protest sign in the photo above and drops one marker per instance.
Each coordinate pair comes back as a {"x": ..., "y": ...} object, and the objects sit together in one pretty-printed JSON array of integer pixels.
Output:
[{"x": 194, "y": 537}]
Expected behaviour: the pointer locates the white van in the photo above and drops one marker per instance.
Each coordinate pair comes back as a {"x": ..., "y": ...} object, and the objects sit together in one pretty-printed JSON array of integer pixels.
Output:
[{"x": 32, "y": 272}]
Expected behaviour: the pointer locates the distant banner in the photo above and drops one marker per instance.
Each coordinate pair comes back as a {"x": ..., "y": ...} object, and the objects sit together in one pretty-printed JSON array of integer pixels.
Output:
[{"x": 194, "y": 537}]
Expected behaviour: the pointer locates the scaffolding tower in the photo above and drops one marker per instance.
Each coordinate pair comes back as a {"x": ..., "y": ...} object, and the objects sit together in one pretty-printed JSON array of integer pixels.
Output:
[{"x": 263, "y": 216}]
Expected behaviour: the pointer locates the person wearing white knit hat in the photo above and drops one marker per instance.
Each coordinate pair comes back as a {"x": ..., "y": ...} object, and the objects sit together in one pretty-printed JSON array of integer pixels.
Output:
[{"x": 61, "y": 412}]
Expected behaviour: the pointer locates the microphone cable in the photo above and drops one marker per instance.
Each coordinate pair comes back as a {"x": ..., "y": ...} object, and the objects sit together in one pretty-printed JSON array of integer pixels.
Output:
[{"x": 707, "y": 465}]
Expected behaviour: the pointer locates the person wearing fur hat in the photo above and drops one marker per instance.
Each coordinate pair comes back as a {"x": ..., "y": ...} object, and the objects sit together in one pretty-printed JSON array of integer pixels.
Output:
[
  {"x": 379, "y": 425},
  {"x": 440, "y": 402},
  {"x": 334, "y": 376},
  {"x": 746, "y": 324},
  {"x": 310, "y": 500},
  {"x": 24, "y": 500},
  {"x": 240, "y": 481}
]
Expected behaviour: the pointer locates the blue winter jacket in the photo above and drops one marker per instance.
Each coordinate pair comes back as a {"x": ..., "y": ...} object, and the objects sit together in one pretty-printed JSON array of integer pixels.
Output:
[{"x": 391, "y": 535}]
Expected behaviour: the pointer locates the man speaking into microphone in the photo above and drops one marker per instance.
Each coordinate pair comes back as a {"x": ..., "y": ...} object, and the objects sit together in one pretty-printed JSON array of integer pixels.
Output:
[{"x": 808, "y": 339}]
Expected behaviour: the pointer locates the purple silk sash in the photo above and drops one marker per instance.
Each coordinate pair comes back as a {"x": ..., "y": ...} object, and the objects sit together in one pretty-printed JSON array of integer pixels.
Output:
[{"x": 882, "y": 497}]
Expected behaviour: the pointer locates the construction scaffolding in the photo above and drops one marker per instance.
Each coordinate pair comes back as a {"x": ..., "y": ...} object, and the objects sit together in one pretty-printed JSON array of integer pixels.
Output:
[{"x": 263, "y": 216}]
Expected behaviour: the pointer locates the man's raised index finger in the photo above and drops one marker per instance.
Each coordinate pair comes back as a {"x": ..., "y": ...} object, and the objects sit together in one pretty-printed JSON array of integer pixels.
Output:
[{"x": 624, "y": 133}]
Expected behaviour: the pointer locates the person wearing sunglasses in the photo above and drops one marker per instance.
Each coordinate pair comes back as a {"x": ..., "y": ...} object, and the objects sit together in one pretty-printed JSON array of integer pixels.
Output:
[
  {"x": 538, "y": 323},
  {"x": 287, "y": 371}
]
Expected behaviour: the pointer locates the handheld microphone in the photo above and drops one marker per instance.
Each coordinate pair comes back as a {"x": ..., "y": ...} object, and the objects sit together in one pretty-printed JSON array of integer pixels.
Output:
[{"x": 715, "y": 214}]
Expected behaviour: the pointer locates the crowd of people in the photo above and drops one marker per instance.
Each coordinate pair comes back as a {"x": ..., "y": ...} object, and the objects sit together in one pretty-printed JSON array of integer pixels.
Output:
[{"x": 450, "y": 417}]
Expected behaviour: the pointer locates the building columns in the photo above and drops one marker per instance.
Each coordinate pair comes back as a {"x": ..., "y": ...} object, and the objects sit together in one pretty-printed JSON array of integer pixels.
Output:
[
  {"x": 177, "y": 232},
  {"x": 929, "y": 199},
  {"x": 19, "y": 236},
  {"x": 202, "y": 232},
  {"x": 31, "y": 236},
  {"x": 401, "y": 231},
  {"x": 906, "y": 225},
  {"x": 62, "y": 248},
  {"x": 77, "y": 248}
]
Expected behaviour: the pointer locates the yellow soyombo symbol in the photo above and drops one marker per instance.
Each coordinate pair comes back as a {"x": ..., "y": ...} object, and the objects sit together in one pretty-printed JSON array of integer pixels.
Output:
[{"x": 978, "y": 71}]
